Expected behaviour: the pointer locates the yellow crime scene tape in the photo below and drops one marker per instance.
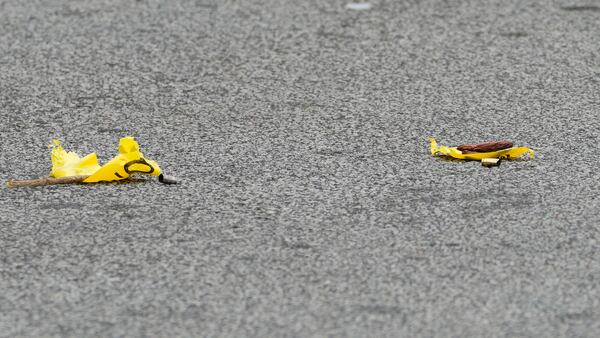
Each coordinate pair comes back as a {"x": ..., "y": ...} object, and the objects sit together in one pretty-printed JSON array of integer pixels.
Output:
[
  {"x": 509, "y": 153},
  {"x": 129, "y": 160}
]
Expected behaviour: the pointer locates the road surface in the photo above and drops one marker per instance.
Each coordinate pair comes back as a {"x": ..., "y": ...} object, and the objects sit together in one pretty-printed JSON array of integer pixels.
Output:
[{"x": 309, "y": 204}]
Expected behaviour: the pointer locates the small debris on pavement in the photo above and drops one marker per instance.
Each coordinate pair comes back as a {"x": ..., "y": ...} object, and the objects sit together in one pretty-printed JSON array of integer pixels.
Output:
[
  {"x": 480, "y": 151},
  {"x": 69, "y": 168},
  {"x": 490, "y": 162},
  {"x": 358, "y": 6},
  {"x": 166, "y": 179}
]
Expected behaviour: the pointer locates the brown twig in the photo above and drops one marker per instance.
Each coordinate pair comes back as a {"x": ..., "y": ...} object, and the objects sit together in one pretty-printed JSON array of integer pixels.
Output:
[
  {"x": 46, "y": 181},
  {"x": 485, "y": 147}
]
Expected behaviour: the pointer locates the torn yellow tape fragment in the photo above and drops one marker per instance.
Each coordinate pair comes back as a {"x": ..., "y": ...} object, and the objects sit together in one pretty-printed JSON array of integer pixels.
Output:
[
  {"x": 510, "y": 153},
  {"x": 69, "y": 163},
  {"x": 129, "y": 160}
]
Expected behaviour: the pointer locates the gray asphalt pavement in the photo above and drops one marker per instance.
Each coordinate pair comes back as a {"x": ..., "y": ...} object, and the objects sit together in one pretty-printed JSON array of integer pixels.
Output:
[{"x": 309, "y": 204}]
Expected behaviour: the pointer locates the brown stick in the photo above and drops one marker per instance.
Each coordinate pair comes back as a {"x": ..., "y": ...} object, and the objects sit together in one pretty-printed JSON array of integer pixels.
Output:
[
  {"x": 486, "y": 146},
  {"x": 46, "y": 181}
]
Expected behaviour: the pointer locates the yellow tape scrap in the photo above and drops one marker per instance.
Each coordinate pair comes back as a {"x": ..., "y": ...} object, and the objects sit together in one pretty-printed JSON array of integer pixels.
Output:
[
  {"x": 129, "y": 160},
  {"x": 510, "y": 153}
]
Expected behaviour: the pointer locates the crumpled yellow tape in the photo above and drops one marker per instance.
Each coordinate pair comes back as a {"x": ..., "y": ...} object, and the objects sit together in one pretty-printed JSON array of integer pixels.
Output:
[
  {"x": 129, "y": 160},
  {"x": 510, "y": 153},
  {"x": 69, "y": 163}
]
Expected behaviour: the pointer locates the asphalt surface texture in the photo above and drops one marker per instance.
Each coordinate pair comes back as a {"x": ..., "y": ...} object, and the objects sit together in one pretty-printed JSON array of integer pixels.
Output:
[{"x": 309, "y": 205}]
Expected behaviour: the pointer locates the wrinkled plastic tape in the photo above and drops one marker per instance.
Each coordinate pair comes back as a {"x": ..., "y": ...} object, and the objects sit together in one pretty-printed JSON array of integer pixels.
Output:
[
  {"x": 510, "y": 153},
  {"x": 129, "y": 160}
]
